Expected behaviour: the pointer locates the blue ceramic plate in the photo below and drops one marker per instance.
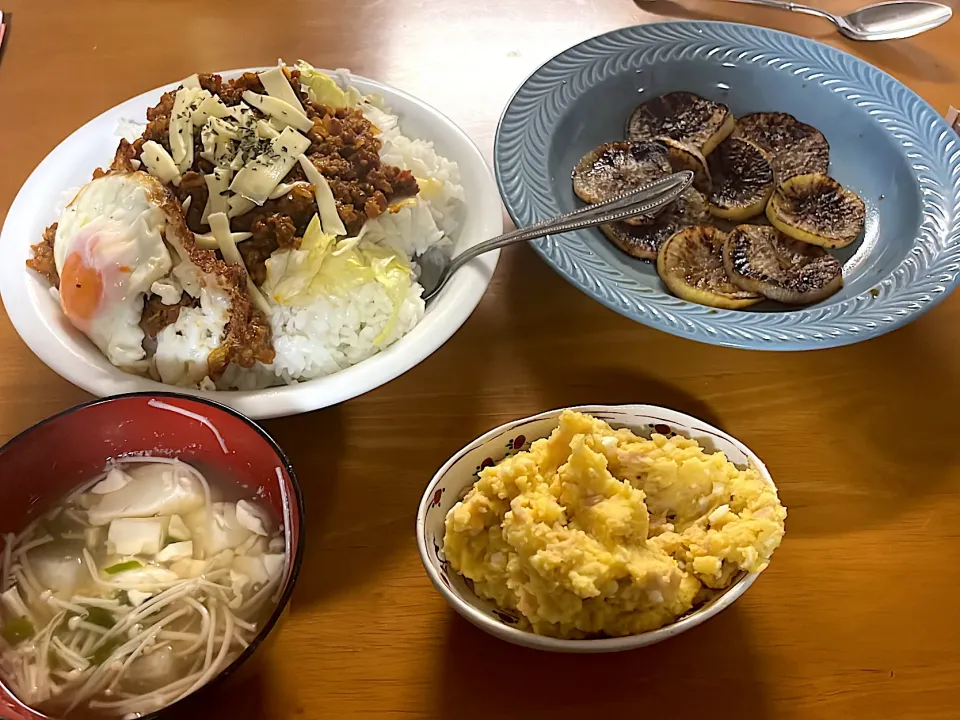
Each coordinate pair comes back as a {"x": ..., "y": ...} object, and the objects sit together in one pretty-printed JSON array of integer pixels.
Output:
[{"x": 886, "y": 144}]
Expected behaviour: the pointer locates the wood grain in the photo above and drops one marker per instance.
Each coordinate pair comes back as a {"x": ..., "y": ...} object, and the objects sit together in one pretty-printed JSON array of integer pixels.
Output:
[{"x": 854, "y": 618}]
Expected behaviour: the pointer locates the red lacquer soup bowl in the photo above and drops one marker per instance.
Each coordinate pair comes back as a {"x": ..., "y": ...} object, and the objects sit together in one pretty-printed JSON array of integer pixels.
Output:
[{"x": 43, "y": 464}]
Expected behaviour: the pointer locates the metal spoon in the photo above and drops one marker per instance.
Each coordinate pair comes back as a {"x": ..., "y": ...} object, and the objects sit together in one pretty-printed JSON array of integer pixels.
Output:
[
  {"x": 883, "y": 21},
  {"x": 436, "y": 268}
]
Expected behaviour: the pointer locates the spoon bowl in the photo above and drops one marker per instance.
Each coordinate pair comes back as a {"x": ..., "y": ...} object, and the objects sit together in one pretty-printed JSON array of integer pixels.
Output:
[{"x": 892, "y": 20}]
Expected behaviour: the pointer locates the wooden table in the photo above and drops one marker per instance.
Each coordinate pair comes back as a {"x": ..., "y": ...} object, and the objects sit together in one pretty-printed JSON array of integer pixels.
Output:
[{"x": 855, "y": 618}]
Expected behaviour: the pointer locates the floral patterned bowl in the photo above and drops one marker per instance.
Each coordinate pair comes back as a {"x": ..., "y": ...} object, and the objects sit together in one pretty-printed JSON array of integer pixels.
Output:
[{"x": 459, "y": 473}]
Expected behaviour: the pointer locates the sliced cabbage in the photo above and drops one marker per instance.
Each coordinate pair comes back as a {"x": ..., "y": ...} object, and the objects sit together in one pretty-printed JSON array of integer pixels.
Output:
[
  {"x": 326, "y": 204},
  {"x": 176, "y": 551},
  {"x": 324, "y": 267},
  {"x": 394, "y": 273},
  {"x": 290, "y": 272},
  {"x": 276, "y": 84},
  {"x": 279, "y": 110},
  {"x": 217, "y": 531},
  {"x": 177, "y": 531},
  {"x": 253, "y": 517},
  {"x": 323, "y": 89}
]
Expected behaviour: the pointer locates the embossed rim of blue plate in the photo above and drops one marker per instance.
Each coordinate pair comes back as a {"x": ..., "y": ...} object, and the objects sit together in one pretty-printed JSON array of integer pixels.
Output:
[{"x": 924, "y": 278}]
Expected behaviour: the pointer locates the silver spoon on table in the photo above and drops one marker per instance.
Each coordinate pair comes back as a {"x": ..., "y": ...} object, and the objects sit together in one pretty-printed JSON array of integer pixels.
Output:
[
  {"x": 882, "y": 21},
  {"x": 436, "y": 268}
]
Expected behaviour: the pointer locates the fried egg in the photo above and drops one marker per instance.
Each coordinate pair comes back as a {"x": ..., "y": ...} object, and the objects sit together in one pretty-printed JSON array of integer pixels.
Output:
[{"x": 109, "y": 249}]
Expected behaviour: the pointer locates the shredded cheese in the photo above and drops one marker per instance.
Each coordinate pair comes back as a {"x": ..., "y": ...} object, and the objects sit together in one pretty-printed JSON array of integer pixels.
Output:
[
  {"x": 209, "y": 107},
  {"x": 276, "y": 84},
  {"x": 192, "y": 82},
  {"x": 217, "y": 136},
  {"x": 208, "y": 242},
  {"x": 159, "y": 163},
  {"x": 326, "y": 205},
  {"x": 181, "y": 128},
  {"x": 279, "y": 110},
  {"x": 220, "y": 227},
  {"x": 240, "y": 113},
  {"x": 217, "y": 183},
  {"x": 266, "y": 130},
  {"x": 239, "y": 205},
  {"x": 261, "y": 175},
  {"x": 283, "y": 188}
]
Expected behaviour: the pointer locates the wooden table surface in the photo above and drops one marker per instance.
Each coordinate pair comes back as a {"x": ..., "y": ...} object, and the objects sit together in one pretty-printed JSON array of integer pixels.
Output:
[{"x": 855, "y": 616}]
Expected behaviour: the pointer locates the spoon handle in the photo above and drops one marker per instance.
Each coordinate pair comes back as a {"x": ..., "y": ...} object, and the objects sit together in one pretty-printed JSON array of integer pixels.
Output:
[
  {"x": 794, "y": 7},
  {"x": 647, "y": 199}
]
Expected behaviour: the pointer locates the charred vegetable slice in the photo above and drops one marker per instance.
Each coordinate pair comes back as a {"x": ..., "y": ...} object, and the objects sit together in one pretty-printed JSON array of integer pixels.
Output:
[
  {"x": 816, "y": 209},
  {"x": 683, "y": 116},
  {"x": 686, "y": 157},
  {"x": 619, "y": 167},
  {"x": 690, "y": 263},
  {"x": 763, "y": 260},
  {"x": 644, "y": 241},
  {"x": 742, "y": 180},
  {"x": 796, "y": 148}
]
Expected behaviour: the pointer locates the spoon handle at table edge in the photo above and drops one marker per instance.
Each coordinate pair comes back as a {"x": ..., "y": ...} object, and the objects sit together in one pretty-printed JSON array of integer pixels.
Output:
[
  {"x": 645, "y": 200},
  {"x": 793, "y": 7}
]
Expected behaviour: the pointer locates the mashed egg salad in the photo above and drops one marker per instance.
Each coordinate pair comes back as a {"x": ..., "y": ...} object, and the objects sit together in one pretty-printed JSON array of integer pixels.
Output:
[{"x": 599, "y": 532}]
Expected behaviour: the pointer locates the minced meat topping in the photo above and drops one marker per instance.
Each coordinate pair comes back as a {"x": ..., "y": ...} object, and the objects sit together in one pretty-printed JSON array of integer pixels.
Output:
[{"x": 42, "y": 260}]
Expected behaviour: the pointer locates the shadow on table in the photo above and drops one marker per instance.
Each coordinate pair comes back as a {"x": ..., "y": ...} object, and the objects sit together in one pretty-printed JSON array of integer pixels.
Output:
[
  {"x": 314, "y": 444},
  {"x": 483, "y": 677},
  {"x": 907, "y": 59},
  {"x": 896, "y": 433},
  {"x": 903, "y": 58},
  {"x": 880, "y": 443},
  {"x": 244, "y": 694},
  {"x": 577, "y": 377}
]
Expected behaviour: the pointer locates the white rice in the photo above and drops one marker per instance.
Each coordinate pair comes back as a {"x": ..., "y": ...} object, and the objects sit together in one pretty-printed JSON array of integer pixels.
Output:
[
  {"x": 333, "y": 333},
  {"x": 130, "y": 130}
]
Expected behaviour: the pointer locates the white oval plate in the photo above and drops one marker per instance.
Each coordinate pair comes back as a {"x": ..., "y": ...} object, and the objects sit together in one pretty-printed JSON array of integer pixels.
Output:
[{"x": 38, "y": 319}]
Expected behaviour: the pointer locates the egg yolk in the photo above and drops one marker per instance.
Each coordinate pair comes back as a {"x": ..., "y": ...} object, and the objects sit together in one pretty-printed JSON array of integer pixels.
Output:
[{"x": 81, "y": 288}]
